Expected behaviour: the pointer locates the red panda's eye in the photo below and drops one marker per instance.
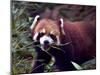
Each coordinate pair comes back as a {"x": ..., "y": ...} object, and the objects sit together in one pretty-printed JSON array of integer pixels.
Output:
[
  {"x": 40, "y": 35},
  {"x": 52, "y": 36}
]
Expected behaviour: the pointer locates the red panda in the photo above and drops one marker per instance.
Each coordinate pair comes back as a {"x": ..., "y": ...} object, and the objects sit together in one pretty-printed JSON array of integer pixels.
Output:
[
  {"x": 73, "y": 41},
  {"x": 79, "y": 36}
]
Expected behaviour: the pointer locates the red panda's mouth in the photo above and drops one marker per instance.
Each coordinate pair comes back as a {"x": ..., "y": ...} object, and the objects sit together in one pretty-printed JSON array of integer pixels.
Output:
[{"x": 46, "y": 47}]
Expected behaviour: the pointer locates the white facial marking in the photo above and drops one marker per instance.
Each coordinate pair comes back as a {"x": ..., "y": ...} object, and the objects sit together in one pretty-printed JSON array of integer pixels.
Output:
[
  {"x": 44, "y": 38},
  {"x": 35, "y": 36},
  {"x": 34, "y": 22},
  {"x": 43, "y": 30},
  {"x": 52, "y": 32}
]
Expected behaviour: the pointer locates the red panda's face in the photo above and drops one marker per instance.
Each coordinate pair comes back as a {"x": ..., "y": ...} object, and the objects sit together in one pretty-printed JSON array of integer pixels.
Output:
[{"x": 46, "y": 32}]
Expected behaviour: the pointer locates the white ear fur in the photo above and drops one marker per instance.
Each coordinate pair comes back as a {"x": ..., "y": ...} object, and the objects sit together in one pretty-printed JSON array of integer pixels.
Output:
[
  {"x": 34, "y": 22},
  {"x": 62, "y": 25},
  {"x": 35, "y": 36}
]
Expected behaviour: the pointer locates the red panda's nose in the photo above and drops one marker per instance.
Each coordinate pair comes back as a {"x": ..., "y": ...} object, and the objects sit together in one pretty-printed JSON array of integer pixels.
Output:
[{"x": 46, "y": 42}]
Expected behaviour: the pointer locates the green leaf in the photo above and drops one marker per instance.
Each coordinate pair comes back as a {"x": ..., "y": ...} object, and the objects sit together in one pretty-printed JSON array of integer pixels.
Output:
[{"x": 78, "y": 67}]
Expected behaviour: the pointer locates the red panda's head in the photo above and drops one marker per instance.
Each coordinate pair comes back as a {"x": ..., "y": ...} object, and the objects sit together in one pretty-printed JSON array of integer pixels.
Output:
[{"x": 46, "y": 31}]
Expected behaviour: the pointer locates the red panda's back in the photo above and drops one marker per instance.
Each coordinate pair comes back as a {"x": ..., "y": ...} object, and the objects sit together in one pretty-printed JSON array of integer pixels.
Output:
[{"x": 83, "y": 39}]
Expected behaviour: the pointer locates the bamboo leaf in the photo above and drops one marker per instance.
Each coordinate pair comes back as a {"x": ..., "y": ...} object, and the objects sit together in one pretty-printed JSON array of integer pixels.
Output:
[{"x": 78, "y": 67}]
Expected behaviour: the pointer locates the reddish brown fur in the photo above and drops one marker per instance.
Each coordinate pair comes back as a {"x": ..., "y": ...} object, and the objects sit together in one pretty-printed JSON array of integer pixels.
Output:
[
  {"x": 82, "y": 34},
  {"x": 48, "y": 25}
]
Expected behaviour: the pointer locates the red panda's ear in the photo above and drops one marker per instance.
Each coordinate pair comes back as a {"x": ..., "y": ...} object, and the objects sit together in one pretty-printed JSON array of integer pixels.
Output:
[
  {"x": 34, "y": 22},
  {"x": 62, "y": 26}
]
